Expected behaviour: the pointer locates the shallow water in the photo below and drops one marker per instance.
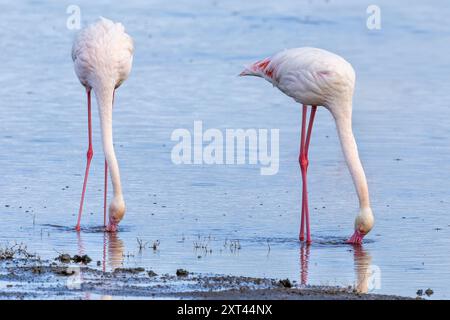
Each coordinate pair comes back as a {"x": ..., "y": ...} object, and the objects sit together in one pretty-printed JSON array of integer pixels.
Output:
[{"x": 188, "y": 54}]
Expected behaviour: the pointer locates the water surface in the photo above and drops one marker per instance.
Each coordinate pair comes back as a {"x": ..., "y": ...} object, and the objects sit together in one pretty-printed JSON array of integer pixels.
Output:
[{"x": 187, "y": 56}]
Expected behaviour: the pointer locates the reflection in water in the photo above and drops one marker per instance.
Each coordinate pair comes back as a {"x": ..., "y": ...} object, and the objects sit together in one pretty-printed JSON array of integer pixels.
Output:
[
  {"x": 116, "y": 250},
  {"x": 304, "y": 259},
  {"x": 113, "y": 249},
  {"x": 362, "y": 262},
  {"x": 81, "y": 252},
  {"x": 80, "y": 244},
  {"x": 363, "y": 270}
]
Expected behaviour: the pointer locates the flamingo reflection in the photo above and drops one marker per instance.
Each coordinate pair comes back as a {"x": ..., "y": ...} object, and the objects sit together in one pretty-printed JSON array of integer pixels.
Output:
[
  {"x": 362, "y": 261},
  {"x": 362, "y": 265},
  {"x": 112, "y": 256},
  {"x": 116, "y": 249},
  {"x": 113, "y": 250},
  {"x": 304, "y": 259}
]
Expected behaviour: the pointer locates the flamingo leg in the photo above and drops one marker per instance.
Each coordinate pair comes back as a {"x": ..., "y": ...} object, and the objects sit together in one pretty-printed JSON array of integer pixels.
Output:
[
  {"x": 300, "y": 160},
  {"x": 89, "y": 155},
  {"x": 304, "y": 162},
  {"x": 105, "y": 193}
]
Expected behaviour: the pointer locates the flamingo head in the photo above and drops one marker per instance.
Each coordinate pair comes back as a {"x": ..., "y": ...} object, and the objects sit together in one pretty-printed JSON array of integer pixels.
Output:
[
  {"x": 363, "y": 224},
  {"x": 116, "y": 213}
]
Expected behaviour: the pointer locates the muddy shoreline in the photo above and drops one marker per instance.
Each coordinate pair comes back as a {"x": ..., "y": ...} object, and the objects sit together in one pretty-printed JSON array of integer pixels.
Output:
[{"x": 29, "y": 277}]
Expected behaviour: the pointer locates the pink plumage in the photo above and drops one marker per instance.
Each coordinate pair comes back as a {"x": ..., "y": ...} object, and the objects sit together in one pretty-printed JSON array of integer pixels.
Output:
[
  {"x": 316, "y": 77},
  {"x": 102, "y": 55}
]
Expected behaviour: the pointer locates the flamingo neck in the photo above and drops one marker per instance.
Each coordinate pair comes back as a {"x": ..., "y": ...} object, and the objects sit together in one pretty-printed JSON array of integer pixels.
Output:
[
  {"x": 350, "y": 150},
  {"x": 104, "y": 96}
]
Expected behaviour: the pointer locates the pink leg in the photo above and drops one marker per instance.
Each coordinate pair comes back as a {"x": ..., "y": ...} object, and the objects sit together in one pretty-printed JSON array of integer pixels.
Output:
[
  {"x": 308, "y": 139},
  {"x": 300, "y": 158},
  {"x": 105, "y": 194},
  {"x": 303, "y": 160},
  {"x": 90, "y": 153},
  {"x": 305, "y": 211}
]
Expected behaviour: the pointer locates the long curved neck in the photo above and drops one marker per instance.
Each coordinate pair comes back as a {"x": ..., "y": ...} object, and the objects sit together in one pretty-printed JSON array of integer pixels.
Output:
[
  {"x": 350, "y": 150},
  {"x": 104, "y": 95}
]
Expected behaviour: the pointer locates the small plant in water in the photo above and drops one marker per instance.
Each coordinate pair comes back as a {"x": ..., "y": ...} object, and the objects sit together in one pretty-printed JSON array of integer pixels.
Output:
[
  {"x": 141, "y": 244},
  {"x": 155, "y": 245},
  {"x": 202, "y": 244},
  {"x": 14, "y": 251},
  {"x": 234, "y": 245}
]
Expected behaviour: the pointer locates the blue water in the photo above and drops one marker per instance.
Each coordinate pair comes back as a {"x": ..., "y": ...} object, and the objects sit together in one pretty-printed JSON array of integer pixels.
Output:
[{"x": 187, "y": 56}]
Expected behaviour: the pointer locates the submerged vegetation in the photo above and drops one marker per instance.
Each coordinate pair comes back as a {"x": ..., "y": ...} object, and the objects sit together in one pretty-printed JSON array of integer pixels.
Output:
[{"x": 17, "y": 250}]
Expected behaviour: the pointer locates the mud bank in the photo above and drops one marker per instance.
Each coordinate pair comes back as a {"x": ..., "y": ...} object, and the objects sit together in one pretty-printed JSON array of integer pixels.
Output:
[
  {"x": 309, "y": 293},
  {"x": 32, "y": 278}
]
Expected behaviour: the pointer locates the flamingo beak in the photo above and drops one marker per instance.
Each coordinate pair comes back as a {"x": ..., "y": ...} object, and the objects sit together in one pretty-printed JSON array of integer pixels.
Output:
[
  {"x": 356, "y": 238},
  {"x": 111, "y": 227}
]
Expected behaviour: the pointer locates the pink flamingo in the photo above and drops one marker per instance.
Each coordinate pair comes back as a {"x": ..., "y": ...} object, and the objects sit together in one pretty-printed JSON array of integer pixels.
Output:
[
  {"x": 102, "y": 54},
  {"x": 317, "y": 77}
]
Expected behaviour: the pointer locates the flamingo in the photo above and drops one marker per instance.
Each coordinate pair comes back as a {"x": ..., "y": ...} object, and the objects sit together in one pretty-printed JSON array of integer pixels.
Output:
[
  {"x": 102, "y": 54},
  {"x": 316, "y": 77}
]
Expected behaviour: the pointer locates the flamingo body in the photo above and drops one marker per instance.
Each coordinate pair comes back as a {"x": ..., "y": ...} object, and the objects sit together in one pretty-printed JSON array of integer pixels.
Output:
[
  {"x": 102, "y": 54},
  {"x": 316, "y": 77},
  {"x": 311, "y": 76}
]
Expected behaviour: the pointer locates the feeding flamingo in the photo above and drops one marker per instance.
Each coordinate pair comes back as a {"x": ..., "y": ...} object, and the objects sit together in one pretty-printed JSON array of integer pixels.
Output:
[
  {"x": 102, "y": 54},
  {"x": 317, "y": 77}
]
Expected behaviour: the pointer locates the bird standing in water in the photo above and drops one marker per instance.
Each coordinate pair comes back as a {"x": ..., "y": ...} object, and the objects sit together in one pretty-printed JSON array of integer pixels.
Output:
[
  {"x": 315, "y": 77},
  {"x": 102, "y": 55}
]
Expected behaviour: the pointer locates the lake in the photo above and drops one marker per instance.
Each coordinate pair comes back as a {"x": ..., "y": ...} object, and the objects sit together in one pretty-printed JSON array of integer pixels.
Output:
[{"x": 230, "y": 219}]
